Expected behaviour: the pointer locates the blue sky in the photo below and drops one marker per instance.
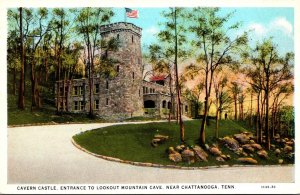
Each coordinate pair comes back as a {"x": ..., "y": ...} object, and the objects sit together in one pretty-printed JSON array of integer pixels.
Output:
[{"x": 265, "y": 22}]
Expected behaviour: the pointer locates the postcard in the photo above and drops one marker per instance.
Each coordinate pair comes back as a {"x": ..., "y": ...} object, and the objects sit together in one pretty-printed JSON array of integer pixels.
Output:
[{"x": 149, "y": 97}]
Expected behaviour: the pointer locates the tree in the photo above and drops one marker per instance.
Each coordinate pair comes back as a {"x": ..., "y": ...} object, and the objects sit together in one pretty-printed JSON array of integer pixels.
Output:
[
  {"x": 89, "y": 22},
  {"x": 235, "y": 91},
  {"x": 267, "y": 72},
  {"x": 193, "y": 96},
  {"x": 16, "y": 19},
  {"x": 13, "y": 59},
  {"x": 162, "y": 65},
  {"x": 36, "y": 35},
  {"x": 62, "y": 31},
  {"x": 172, "y": 39},
  {"x": 214, "y": 47},
  {"x": 220, "y": 95},
  {"x": 279, "y": 95}
]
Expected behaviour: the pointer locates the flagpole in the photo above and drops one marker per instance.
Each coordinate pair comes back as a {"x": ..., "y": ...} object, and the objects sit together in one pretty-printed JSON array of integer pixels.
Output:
[{"x": 125, "y": 14}]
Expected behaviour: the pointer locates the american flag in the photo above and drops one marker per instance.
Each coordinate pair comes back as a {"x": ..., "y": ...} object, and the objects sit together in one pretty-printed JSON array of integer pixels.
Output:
[{"x": 130, "y": 13}]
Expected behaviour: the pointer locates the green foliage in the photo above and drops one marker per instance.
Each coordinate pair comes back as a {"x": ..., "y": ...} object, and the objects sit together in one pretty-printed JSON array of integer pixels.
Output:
[{"x": 287, "y": 119}]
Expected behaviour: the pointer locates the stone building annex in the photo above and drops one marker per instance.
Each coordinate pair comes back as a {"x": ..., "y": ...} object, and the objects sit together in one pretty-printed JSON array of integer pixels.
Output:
[{"x": 127, "y": 94}]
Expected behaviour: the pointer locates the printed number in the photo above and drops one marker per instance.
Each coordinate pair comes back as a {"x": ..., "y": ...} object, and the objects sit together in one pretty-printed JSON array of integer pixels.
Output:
[{"x": 268, "y": 186}]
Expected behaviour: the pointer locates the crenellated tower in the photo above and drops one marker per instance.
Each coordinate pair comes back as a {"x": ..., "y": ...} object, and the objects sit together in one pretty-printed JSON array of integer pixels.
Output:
[{"x": 121, "y": 96}]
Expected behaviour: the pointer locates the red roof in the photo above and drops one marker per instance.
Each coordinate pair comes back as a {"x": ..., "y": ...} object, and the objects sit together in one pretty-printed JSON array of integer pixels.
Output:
[{"x": 158, "y": 78}]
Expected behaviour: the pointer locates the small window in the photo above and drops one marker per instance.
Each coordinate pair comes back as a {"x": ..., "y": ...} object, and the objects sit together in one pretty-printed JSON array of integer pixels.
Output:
[
  {"x": 75, "y": 90},
  {"x": 76, "y": 105},
  {"x": 132, "y": 39},
  {"x": 96, "y": 104},
  {"x": 81, "y": 105},
  {"x": 139, "y": 93},
  {"x": 61, "y": 106},
  {"x": 96, "y": 88},
  {"x": 118, "y": 36},
  {"x": 61, "y": 91},
  {"x": 133, "y": 75},
  {"x": 80, "y": 90},
  {"x": 106, "y": 101},
  {"x": 106, "y": 84},
  {"x": 118, "y": 69},
  {"x": 66, "y": 91}
]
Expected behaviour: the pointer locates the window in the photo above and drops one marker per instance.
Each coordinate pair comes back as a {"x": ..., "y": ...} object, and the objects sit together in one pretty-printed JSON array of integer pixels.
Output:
[
  {"x": 80, "y": 90},
  {"x": 77, "y": 90},
  {"x": 96, "y": 88},
  {"x": 169, "y": 105},
  {"x": 118, "y": 69},
  {"x": 106, "y": 84},
  {"x": 61, "y": 91},
  {"x": 106, "y": 101},
  {"x": 139, "y": 93},
  {"x": 164, "y": 104},
  {"x": 132, "y": 75},
  {"x": 118, "y": 36},
  {"x": 61, "y": 105},
  {"x": 81, "y": 105},
  {"x": 132, "y": 39},
  {"x": 66, "y": 90},
  {"x": 96, "y": 104},
  {"x": 76, "y": 105}
]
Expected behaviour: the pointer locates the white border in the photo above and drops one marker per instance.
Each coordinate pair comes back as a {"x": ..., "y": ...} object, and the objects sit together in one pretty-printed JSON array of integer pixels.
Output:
[{"x": 281, "y": 188}]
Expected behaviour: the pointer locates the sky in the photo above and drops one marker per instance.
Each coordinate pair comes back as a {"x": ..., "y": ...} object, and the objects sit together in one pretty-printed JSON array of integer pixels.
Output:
[{"x": 264, "y": 22}]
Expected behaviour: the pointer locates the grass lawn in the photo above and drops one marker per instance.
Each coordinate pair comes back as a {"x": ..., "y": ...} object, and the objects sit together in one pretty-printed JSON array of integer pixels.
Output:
[
  {"x": 133, "y": 142},
  {"x": 46, "y": 114}
]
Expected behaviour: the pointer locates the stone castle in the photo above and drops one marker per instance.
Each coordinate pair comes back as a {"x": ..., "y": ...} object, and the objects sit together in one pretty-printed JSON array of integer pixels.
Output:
[{"x": 127, "y": 94}]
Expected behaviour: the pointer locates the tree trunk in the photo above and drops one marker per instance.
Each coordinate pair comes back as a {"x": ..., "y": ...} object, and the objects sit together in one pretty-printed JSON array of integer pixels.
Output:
[
  {"x": 235, "y": 107},
  {"x": 21, "y": 101},
  {"x": 251, "y": 118},
  {"x": 33, "y": 84},
  {"x": 261, "y": 120},
  {"x": 217, "y": 120},
  {"x": 257, "y": 126},
  {"x": 203, "y": 124},
  {"x": 267, "y": 129},
  {"x": 14, "y": 81},
  {"x": 177, "y": 81},
  {"x": 171, "y": 93}
]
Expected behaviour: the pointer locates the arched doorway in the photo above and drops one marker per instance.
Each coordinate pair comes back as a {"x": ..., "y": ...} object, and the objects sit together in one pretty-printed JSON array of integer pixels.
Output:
[
  {"x": 169, "y": 105},
  {"x": 164, "y": 104}
]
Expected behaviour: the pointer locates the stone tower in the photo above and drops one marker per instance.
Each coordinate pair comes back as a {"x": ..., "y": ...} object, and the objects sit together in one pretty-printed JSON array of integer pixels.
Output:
[{"x": 122, "y": 96}]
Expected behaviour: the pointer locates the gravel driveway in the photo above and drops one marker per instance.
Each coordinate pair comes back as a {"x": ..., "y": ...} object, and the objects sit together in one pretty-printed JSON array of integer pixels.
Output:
[{"x": 45, "y": 154}]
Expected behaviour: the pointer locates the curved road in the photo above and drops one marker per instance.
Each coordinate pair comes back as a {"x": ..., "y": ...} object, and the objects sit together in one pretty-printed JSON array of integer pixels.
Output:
[{"x": 45, "y": 154}]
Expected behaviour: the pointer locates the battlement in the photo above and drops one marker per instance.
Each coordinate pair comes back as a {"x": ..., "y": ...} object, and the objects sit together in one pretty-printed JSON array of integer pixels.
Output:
[{"x": 120, "y": 26}]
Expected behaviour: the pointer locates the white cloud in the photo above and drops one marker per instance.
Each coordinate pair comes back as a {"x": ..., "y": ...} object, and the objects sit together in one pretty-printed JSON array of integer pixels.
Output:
[
  {"x": 153, "y": 30},
  {"x": 277, "y": 26},
  {"x": 259, "y": 29},
  {"x": 283, "y": 25}
]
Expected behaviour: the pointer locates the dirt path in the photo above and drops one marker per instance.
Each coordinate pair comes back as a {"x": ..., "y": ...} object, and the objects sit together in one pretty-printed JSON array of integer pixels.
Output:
[{"x": 45, "y": 154}]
